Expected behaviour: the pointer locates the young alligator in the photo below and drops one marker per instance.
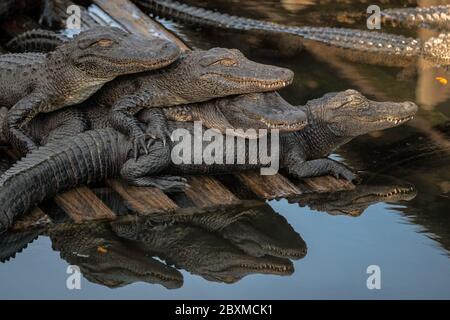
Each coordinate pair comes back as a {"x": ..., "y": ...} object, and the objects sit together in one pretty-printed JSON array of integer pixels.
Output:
[
  {"x": 196, "y": 77},
  {"x": 33, "y": 83},
  {"x": 98, "y": 154},
  {"x": 377, "y": 48}
]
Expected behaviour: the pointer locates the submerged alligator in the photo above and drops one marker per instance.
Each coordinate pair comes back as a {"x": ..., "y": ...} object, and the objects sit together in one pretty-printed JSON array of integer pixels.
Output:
[
  {"x": 333, "y": 120},
  {"x": 197, "y": 76},
  {"x": 33, "y": 83},
  {"x": 374, "y": 47}
]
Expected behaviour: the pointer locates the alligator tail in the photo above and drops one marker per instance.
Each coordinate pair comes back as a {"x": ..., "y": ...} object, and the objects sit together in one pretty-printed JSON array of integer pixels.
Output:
[
  {"x": 364, "y": 41},
  {"x": 59, "y": 166}
]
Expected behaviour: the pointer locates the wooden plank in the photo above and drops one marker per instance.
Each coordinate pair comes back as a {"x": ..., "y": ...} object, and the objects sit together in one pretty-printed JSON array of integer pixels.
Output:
[
  {"x": 136, "y": 21},
  {"x": 323, "y": 184},
  {"x": 205, "y": 191},
  {"x": 269, "y": 187},
  {"x": 81, "y": 204},
  {"x": 143, "y": 200}
]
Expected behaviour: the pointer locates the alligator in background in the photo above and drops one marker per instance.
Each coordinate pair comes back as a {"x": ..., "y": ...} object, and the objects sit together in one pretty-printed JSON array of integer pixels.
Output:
[
  {"x": 33, "y": 83},
  {"x": 333, "y": 120},
  {"x": 432, "y": 17},
  {"x": 356, "y": 45}
]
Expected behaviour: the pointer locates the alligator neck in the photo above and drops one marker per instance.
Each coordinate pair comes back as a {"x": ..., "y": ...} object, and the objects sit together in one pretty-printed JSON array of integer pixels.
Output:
[{"x": 317, "y": 139}]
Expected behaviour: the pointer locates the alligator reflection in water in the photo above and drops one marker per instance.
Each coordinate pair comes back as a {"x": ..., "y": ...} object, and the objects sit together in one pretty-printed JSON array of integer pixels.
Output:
[
  {"x": 223, "y": 245},
  {"x": 219, "y": 246},
  {"x": 424, "y": 163},
  {"x": 374, "y": 188}
]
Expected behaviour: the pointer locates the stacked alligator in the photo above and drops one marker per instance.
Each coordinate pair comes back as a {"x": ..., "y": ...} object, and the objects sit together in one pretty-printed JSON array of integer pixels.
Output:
[{"x": 333, "y": 120}]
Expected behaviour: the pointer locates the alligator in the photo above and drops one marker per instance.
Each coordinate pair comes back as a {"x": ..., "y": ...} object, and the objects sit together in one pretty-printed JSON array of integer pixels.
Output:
[
  {"x": 197, "y": 76},
  {"x": 33, "y": 83},
  {"x": 364, "y": 46},
  {"x": 105, "y": 259},
  {"x": 333, "y": 120},
  {"x": 199, "y": 251},
  {"x": 372, "y": 189},
  {"x": 432, "y": 17}
]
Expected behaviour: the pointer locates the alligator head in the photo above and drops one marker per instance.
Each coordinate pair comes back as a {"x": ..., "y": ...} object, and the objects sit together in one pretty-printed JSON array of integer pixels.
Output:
[
  {"x": 373, "y": 188},
  {"x": 202, "y": 75},
  {"x": 200, "y": 252},
  {"x": 350, "y": 114},
  {"x": 105, "y": 259},
  {"x": 248, "y": 111},
  {"x": 106, "y": 52},
  {"x": 437, "y": 50}
]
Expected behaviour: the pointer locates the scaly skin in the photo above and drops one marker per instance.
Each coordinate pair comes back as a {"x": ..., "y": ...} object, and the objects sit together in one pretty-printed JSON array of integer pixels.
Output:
[
  {"x": 333, "y": 120},
  {"x": 33, "y": 83},
  {"x": 365, "y": 46},
  {"x": 374, "y": 188},
  {"x": 198, "y": 76},
  {"x": 106, "y": 153},
  {"x": 105, "y": 259},
  {"x": 37, "y": 40},
  {"x": 433, "y": 17},
  {"x": 200, "y": 252}
]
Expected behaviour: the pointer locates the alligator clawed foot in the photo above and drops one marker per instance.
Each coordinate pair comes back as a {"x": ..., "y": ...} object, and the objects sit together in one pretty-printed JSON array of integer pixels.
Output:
[
  {"x": 344, "y": 173},
  {"x": 138, "y": 144}
]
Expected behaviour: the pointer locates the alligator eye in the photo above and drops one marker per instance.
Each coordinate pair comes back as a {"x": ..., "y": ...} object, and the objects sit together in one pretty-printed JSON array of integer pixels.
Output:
[
  {"x": 226, "y": 62},
  {"x": 103, "y": 43}
]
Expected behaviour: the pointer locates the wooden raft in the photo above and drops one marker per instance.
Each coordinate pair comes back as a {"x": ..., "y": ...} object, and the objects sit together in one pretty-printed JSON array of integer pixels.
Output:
[{"x": 82, "y": 204}]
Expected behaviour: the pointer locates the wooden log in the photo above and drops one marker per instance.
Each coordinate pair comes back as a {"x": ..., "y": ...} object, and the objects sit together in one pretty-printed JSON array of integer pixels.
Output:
[
  {"x": 205, "y": 191},
  {"x": 143, "y": 200},
  {"x": 81, "y": 204},
  {"x": 269, "y": 187},
  {"x": 323, "y": 184},
  {"x": 134, "y": 20}
]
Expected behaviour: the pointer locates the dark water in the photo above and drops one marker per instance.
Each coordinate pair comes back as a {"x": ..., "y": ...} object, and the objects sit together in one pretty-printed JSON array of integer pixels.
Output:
[{"x": 406, "y": 234}]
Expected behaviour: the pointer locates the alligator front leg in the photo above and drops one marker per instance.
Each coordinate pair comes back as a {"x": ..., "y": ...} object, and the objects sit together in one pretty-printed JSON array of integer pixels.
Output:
[
  {"x": 320, "y": 167},
  {"x": 156, "y": 122},
  {"x": 140, "y": 172},
  {"x": 123, "y": 120},
  {"x": 18, "y": 116}
]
